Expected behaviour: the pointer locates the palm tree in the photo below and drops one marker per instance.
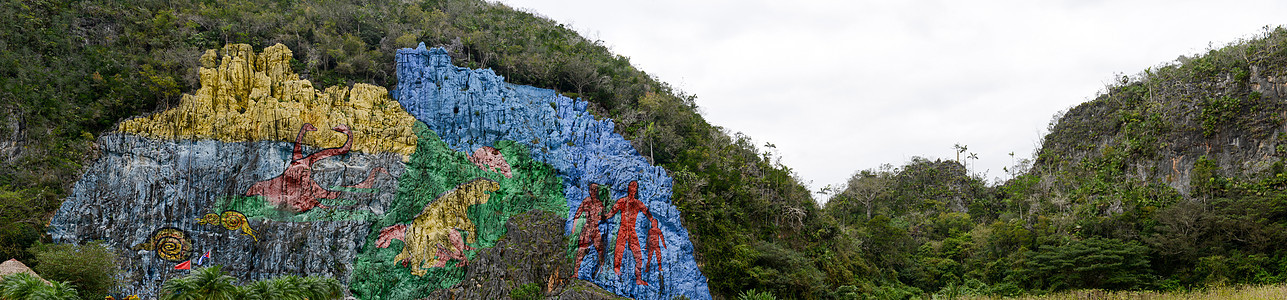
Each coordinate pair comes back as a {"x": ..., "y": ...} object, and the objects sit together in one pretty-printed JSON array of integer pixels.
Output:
[
  {"x": 320, "y": 288},
  {"x": 287, "y": 286},
  {"x": 19, "y": 286},
  {"x": 26, "y": 286},
  {"x": 203, "y": 284},
  {"x": 292, "y": 287},
  {"x": 261, "y": 290},
  {"x": 960, "y": 149},
  {"x": 264, "y": 290},
  {"x": 212, "y": 284},
  {"x": 56, "y": 290}
]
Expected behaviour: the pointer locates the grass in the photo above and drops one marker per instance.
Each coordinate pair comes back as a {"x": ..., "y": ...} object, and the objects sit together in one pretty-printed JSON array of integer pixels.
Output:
[{"x": 1227, "y": 292}]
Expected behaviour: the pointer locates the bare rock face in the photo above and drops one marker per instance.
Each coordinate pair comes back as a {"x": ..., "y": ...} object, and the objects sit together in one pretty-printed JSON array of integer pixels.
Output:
[
  {"x": 533, "y": 251},
  {"x": 251, "y": 97},
  {"x": 628, "y": 236},
  {"x": 174, "y": 185},
  {"x": 1160, "y": 129},
  {"x": 471, "y": 192},
  {"x": 142, "y": 187},
  {"x": 12, "y": 136}
]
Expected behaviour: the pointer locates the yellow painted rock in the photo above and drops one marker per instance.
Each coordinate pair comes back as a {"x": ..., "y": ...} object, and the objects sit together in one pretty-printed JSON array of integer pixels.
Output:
[{"x": 246, "y": 96}]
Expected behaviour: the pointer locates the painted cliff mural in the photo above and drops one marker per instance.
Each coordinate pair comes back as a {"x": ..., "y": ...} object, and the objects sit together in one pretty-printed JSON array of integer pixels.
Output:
[{"x": 395, "y": 199}]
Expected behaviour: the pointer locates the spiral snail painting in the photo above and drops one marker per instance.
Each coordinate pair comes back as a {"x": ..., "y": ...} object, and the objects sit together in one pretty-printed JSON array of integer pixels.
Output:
[
  {"x": 231, "y": 220},
  {"x": 169, "y": 243}
]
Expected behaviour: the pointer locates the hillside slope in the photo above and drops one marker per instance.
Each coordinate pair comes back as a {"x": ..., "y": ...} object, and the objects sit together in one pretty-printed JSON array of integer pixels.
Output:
[
  {"x": 74, "y": 70},
  {"x": 1171, "y": 179}
]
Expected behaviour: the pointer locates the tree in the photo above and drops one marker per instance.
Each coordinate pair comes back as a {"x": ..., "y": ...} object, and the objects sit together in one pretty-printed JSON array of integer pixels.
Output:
[
  {"x": 960, "y": 149},
  {"x": 26, "y": 286},
  {"x": 90, "y": 268},
  {"x": 866, "y": 186},
  {"x": 1094, "y": 263},
  {"x": 314, "y": 287},
  {"x": 208, "y": 283},
  {"x": 754, "y": 295},
  {"x": 261, "y": 290}
]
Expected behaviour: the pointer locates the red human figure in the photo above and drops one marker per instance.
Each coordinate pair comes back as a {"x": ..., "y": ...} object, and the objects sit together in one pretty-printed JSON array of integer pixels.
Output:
[
  {"x": 629, "y": 207},
  {"x": 295, "y": 188},
  {"x": 592, "y": 208},
  {"x": 654, "y": 238}
]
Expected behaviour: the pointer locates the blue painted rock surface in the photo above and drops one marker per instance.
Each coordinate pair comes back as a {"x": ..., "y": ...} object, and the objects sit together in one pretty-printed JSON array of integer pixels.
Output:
[{"x": 470, "y": 109}]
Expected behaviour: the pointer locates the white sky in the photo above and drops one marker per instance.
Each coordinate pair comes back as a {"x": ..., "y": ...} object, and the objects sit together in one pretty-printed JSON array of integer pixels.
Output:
[{"x": 841, "y": 86}]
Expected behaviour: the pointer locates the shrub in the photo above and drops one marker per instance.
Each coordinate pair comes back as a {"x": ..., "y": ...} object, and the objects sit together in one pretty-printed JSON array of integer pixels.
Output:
[
  {"x": 530, "y": 291},
  {"x": 213, "y": 283},
  {"x": 90, "y": 268},
  {"x": 25, "y": 286},
  {"x": 753, "y": 295}
]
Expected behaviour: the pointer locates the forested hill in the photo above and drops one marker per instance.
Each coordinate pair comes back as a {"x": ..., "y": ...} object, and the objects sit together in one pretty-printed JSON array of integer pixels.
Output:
[
  {"x": 71, "y": 71},
  {"x": 1171, "y": 179}
]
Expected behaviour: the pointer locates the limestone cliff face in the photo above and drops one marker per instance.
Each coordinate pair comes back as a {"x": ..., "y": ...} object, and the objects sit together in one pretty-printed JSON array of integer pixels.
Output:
[
  {"x": 141, "y": 185},
  {"x": 530, "y": 253},
  {"x": 1158, "y": 128},
  {"x": 173, "y": 185},
  {"x": 397, "y": 204},
  {"x": 249, "y": 97},
  {"x": 640, "y": 249}
]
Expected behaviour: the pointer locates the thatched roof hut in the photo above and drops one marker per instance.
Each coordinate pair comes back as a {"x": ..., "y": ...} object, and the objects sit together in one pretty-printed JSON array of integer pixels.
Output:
[{"x": 13, "y": 266}]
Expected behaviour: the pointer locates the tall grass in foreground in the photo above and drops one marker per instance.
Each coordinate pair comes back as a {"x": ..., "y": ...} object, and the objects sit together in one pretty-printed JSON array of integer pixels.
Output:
[{"x": 1236, "y": 293}]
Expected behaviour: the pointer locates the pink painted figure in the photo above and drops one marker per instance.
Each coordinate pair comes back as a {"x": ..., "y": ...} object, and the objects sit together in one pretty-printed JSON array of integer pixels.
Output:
[
  {"x": 592, "y": 209},
  {"x": 456, "y": 252},
  {"x": 294, "y": 188},
  {"x": 388, "y": 234},
  {"x": 488, "y": 158},
  {"x": 629, "y": 207}
]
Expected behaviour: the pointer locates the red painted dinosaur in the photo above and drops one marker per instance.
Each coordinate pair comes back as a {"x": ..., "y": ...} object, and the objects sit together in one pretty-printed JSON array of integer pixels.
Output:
[{"x": 294, "y": 188}]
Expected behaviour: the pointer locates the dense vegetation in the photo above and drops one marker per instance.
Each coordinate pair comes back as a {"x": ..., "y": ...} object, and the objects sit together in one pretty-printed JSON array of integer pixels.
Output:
[
  {"x": 70, "y": 70},
  {"x": 1170, "y": 179},
  {"x": 212, "y": 283},
  {"x": 90, "y": 269},
  {"x": 73, "y": 272},
  {"x": 23, "y": 286}
]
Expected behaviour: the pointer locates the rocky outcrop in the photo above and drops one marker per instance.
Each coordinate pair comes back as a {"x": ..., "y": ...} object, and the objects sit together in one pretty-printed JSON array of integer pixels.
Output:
[
  {"x": 140, "y": 186},
  {"x": 533, "y": 251},
  {"x": 1157, "y": 129},
  {"x": 250, "y": 97},
  {"x": 173, "y": 185},
  {"x": 471, "y": 109},
  {"x": 396, "y": 204}
]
